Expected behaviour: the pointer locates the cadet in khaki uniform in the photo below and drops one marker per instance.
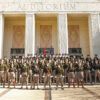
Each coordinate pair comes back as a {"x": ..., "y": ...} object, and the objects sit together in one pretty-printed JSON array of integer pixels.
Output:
[
  {"x": 11, "y": 75},
  {"x": 71, "y": 74},
  {"x": 47, "y": 75},
  {"x": 1, "y": 73},
  {"x": 52, "y": 64},
  {"x": 79, "y": 76},
  {"x": 87, "y": 72},
  {"x": 59, "y": 76},
  {"x": 65, "y": 67},
  {"x": 97, "y": 70},
  {"x": 19, "y": 71},
  {"x": 24, "y": 75},
  {"x": 30, "y": 71},
  {"x": 4, "y": 72},
  {"x": 35, "y": 76},
  {"x": 16, "y": 66}
]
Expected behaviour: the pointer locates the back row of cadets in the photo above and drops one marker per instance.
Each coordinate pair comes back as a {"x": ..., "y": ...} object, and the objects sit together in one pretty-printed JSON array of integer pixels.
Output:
[{"x": 49, "y": 70}]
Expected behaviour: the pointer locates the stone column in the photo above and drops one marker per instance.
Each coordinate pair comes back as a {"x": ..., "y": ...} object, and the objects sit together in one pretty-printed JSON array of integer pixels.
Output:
[
  {"x": 62, "y": 33},
  {"x": 1, "y": 34},
  {"x": 30, "y": 35},
  {"x": 94, "y": 33}
]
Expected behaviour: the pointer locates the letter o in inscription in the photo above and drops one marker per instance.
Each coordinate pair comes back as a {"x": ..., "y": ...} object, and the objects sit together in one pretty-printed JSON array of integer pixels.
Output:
[{"x": 49, "y": 6}]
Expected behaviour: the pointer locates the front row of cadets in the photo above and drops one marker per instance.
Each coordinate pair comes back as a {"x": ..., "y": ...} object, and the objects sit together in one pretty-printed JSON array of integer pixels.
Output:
[{"x": 48, "y": 71}]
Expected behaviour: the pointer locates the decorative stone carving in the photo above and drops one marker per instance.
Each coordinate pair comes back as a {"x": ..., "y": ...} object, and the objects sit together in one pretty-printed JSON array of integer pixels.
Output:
[
  {"x": 45, "y": 36},
  {"x": 74, "y": 36},
  {"x": 18, "y": 36}
]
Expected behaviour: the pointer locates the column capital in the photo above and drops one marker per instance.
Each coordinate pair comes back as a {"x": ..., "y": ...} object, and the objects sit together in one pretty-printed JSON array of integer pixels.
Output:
[
  {"x": 30, "y": 13},
  {"x": 62, "y": 13},
  {"x": 94, "y": 13}
]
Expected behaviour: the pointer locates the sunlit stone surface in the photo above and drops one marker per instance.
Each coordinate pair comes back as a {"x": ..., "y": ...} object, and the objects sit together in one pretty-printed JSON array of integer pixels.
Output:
[{"x": 87, "y": 93}]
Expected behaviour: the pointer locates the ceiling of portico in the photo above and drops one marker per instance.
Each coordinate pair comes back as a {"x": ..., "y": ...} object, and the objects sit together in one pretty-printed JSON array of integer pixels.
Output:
[
  {"x": 77, "y": 16},
  {"x": 46, "y": 16},
  {"x": 14, "y": 17}
]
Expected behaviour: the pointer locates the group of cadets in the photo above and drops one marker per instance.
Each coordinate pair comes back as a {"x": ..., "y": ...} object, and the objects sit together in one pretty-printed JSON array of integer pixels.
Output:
[{"x": 48, "y": 70}]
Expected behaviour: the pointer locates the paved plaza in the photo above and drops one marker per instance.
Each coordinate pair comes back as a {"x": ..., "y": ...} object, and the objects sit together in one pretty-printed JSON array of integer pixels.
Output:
[{"x": 87, "y": 93}]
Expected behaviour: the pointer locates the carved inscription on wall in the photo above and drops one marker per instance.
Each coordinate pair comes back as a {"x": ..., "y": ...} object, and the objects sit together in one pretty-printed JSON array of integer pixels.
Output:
[
  {"x": 74, "y": 36},
  {"x": 50, "y": 6},
  {"x": 45, "y": 36},
  {"x": 18, "y": 36},
  {"x": 33, "y": 6}
]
